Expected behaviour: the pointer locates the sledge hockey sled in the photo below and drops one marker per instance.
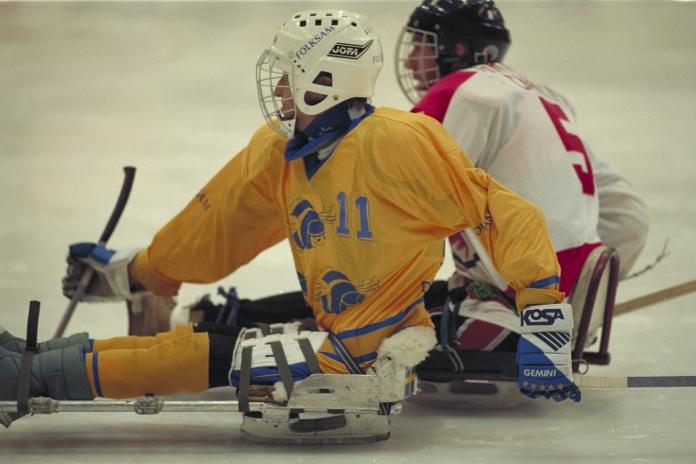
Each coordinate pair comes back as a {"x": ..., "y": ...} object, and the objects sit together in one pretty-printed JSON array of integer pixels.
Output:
[
  {"x": 473, "y": 379},
  {"x": 325, "y": 409},
  {"x": 321, "y": 409}
]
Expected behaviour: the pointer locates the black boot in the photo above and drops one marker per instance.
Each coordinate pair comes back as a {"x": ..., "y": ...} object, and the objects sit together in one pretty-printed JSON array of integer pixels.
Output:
[{"x": 18, "y": 345}]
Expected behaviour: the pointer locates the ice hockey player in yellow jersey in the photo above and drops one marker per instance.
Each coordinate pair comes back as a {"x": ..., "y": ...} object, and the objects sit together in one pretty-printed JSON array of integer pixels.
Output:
[{"x": 365, "y": 196}]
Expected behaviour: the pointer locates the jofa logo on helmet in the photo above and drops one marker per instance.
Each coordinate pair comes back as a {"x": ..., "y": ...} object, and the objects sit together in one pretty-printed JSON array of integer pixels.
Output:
[
  {"x": 541, "y": 316},
  {"x": 350, "y": 51}
]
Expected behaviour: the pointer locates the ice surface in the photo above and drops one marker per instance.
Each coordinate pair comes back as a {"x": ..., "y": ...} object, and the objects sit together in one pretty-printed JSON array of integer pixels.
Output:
[{"x": 86, "y": 88}]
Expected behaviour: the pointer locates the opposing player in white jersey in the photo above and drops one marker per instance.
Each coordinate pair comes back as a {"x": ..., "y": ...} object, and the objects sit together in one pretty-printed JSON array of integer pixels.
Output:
[{"x": 523, "y": 134}]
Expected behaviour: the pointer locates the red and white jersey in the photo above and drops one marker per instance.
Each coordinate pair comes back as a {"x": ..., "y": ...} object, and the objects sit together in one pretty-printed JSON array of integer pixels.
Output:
[{"x": 525, "y": 136}]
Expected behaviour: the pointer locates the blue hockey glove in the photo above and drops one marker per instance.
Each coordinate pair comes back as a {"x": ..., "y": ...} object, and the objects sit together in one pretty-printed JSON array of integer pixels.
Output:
[
  {"x": 543, "y": 352},
  {"x": 110, "y": 281}
]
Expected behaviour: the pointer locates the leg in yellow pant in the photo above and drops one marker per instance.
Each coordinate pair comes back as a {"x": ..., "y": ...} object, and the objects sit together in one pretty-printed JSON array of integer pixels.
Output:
[
  {"x": 173, "y": 366},
  {"x": 140, "y": 341},
  {"x": 124, "y": 367}
]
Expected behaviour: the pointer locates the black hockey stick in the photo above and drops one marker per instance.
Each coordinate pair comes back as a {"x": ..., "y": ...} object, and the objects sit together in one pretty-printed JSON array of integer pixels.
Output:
[
  {"x": 129, "y": 175},
  {"x": 660, "y": 381}
]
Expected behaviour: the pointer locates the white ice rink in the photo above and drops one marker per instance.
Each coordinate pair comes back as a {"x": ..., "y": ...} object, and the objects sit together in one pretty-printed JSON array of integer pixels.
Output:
[{"x": 87, "y": 88}]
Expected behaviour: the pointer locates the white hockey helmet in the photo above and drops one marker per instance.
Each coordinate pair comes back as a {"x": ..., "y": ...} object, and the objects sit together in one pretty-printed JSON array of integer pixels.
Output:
[{"x": 334, "y": 43}]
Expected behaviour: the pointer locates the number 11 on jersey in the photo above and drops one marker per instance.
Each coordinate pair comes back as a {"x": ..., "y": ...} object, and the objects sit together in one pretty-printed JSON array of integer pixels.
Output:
[{"x": 362, "y": 204}]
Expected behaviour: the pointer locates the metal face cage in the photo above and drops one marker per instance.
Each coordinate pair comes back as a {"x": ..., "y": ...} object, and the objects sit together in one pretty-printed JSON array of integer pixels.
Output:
[
  {"x": 416, "y": 62},
  {"x": 274, "y": 83}
]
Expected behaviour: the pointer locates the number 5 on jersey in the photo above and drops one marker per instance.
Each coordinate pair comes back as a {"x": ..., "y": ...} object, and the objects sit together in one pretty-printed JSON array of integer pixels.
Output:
[{"x": 571, "y": 142}]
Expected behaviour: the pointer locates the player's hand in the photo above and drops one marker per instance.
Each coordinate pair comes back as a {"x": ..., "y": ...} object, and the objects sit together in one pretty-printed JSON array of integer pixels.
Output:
[
  {"x": 543, "y": 353},
  {"x": 110, "y": 281}
]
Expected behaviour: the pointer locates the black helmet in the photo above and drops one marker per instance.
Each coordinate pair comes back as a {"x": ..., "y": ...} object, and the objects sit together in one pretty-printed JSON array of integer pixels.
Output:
[
  {"x": 456, "y": 33},
  {"x": 477, "y": 24}
]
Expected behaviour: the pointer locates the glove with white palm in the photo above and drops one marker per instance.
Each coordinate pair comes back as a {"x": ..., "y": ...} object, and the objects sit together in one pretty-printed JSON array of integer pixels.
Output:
[{"x": 110, "y": 281}]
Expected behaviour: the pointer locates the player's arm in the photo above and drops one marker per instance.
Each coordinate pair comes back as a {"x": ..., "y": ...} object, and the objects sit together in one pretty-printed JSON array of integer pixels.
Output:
[
  {"x": 623, "y": 216},
  {"x": 227, "y": 223},
  {"x": 511, "y": 229},
  {"x": 513, "y": 232},
  {"x": 232, "y": 219},
  {"x": 438, "y": 184}
]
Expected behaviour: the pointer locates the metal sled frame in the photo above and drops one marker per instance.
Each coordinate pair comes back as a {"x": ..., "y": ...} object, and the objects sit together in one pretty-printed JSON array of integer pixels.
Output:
[
  {"x": 486, "y": 375},
  {"x": 606, "y": 266},
  {"x": 323, "y": 409}
]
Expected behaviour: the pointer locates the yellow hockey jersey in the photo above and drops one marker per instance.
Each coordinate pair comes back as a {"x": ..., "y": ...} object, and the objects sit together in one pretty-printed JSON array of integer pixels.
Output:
[{"x": 366, "y": 229}]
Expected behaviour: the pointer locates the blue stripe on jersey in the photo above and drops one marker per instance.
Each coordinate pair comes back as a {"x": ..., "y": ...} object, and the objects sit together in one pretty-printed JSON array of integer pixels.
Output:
[
  {"x": 345, "y": 358},
  {"x": 366, "y": 357},
  {"x": 545, "y": 282},
  {"x": 333, "y": 356},
  {"x": 95, "y": 375},
  {"x": 380, "y": 325},
  {"x": 270, "y": 375}
]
